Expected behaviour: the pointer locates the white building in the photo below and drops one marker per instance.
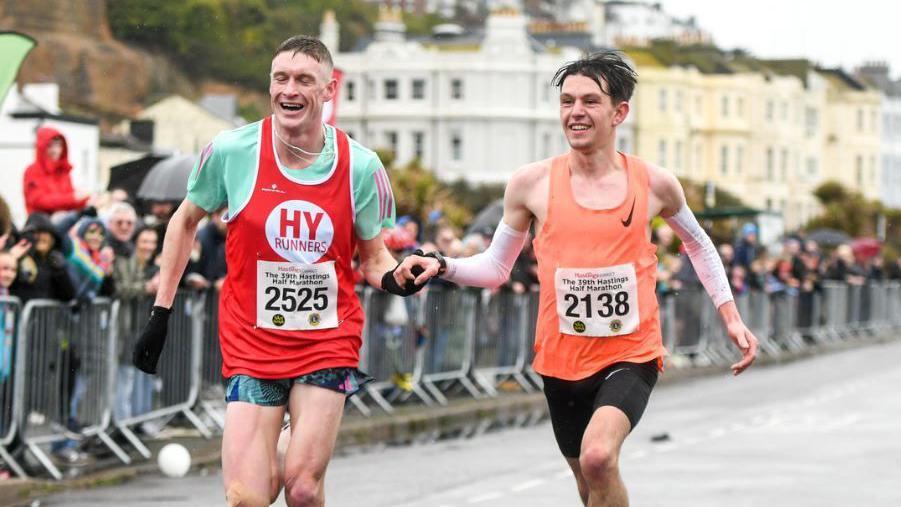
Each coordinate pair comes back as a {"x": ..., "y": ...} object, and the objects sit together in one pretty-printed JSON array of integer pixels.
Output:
[
  {"x": 877, "y": 74},
  {"x": 621, "y": 23},
  {"x": 472, "y": 106},
  {"x": 21, "y": 114}
]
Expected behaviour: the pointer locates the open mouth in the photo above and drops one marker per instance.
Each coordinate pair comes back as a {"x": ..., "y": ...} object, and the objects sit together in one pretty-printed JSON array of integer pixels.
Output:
[
  {"x": 579, "y": 127},
  {"x": 291, "y": 106}
]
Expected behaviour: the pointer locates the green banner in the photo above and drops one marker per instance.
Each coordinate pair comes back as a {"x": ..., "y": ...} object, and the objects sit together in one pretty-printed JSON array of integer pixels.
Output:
[{"x": 14, "y": 47}]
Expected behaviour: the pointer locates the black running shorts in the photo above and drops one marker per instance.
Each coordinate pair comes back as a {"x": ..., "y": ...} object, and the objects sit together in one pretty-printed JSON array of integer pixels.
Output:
[{"x": 626, "y": 386}]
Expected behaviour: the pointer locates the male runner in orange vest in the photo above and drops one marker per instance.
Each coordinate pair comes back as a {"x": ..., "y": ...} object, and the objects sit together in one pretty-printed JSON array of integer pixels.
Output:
[
  {"x": 302, "y": 197},
  {"x": 598, "y": 344}
]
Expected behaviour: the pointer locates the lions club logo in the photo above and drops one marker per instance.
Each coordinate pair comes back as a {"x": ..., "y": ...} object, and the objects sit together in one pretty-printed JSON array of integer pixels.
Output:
[
  {"x": 314, "y": 319},
  {"x": 616, "y": 325},
  {"x": 299, "y": 231},
  {"x": 579, "y": 326},
  {"x": 278, "y": 319}
]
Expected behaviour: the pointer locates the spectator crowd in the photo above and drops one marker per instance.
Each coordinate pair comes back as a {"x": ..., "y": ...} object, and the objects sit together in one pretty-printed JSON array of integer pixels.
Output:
[{"x": 76, "y": 247}]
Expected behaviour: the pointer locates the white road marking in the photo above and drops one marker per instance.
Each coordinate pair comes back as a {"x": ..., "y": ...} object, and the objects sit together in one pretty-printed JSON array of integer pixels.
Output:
[
  {"x": 493, "y": 495},
  {"x": 527, "y": 485}
]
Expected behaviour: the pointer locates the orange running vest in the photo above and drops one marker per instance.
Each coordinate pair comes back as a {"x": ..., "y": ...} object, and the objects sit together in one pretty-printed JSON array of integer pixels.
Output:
[{"x": 593, "y": 267}]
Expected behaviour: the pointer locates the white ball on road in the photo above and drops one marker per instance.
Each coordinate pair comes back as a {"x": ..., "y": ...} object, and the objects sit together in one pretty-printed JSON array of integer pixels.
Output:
[{"x": 174, "y": 460}]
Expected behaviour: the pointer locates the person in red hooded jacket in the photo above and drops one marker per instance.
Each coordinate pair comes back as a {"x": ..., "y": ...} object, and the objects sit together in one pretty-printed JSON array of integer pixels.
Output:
[{"x": 48, "y": 183}]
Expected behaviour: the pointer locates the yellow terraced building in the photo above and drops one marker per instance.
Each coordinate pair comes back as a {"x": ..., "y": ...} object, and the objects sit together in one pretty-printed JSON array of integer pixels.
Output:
[{"x": 767, "y": 131}]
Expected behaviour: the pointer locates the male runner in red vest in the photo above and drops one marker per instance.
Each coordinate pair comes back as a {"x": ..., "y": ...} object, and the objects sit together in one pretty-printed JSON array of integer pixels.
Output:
[
  {"x": 302, "y": 198},
  {"x": 598, "y": 344}
]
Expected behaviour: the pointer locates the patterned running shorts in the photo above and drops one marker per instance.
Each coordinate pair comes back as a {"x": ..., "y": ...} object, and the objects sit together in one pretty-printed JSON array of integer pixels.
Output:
[{"x": 274, "y": 393}]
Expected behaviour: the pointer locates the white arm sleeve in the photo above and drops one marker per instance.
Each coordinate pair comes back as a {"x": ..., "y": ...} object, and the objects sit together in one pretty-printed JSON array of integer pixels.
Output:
[
  {"x": 492, "y": 267},
  {"x": 703, "y": 255}
]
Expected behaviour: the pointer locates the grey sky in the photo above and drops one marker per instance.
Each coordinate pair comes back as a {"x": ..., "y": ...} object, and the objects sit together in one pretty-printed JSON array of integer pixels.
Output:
[{"x": 830, "y": 32}]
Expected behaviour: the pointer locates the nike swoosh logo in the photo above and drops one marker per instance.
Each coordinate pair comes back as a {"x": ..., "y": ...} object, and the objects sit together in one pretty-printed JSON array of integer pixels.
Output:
[
  {"x": 612, "y": 373},
  {"x": 628, "y": 219}
]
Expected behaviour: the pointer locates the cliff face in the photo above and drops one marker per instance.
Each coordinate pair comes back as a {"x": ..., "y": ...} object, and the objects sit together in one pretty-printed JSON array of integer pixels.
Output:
[{"x": 76, "y": 49}]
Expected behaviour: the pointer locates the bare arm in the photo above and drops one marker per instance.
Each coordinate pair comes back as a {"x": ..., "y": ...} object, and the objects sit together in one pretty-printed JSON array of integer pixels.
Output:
[
  {"x": 375, "y": 260},
  {"x": 177, "y": 249}
]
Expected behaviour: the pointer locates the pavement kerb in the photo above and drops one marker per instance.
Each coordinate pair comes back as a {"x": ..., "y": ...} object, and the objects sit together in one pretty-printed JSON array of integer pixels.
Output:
[{"x": 408, "y": 424}]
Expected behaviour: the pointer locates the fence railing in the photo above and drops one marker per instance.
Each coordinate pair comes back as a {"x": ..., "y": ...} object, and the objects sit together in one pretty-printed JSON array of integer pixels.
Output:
[{"x": 66, "y": 374}]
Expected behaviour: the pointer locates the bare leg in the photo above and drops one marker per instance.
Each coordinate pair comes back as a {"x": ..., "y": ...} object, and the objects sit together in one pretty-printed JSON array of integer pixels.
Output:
[
  {"x": 315, "y": 418},
  {"x": 581, "y": 483},
  {"x": 249, "y": 465},
  {"x": 599, "y": 460}
]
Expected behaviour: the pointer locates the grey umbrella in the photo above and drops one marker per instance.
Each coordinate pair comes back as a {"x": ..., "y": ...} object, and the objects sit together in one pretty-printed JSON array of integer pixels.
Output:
[
  {"x": 829, "y": 237},
  {"x": 168, "y": 179},
  {"x": 487, "y": 219}
]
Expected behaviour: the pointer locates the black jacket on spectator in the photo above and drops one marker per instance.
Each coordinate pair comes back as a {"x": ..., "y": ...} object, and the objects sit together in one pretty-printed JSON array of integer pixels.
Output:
[
  {"x": 43, "y": 276},
  {"x": 212, "y": 253}
]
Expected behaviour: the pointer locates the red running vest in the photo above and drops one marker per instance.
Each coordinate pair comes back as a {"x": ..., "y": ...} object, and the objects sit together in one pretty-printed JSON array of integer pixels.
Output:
[{"x": 285, "y": 249}]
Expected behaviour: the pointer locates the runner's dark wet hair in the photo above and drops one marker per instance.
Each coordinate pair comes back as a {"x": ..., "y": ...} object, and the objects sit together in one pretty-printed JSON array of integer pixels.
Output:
[{"x": 602, "y": 67}]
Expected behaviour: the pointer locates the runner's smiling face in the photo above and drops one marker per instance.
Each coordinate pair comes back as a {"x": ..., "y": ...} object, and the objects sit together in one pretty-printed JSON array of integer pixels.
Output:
[
  {"x": 587, "y": 114},
  {"x": 298, "y": 86}
]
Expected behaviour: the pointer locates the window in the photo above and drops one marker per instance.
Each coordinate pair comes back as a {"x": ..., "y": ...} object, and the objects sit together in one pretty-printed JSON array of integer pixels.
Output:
[
  {"x": 698, "y": 104},
  {"x": 739, "y": 157},
  {"x": 724, "y": 160},
  {"x": 859, "y": 170},
  {"x": 677, "y": 162},
  {"x": 678, "y": 100},
  {"x": 872, "y": 170},
  {"x": 783, "y": 166},
  {"x": 661, "y": 100},
  {"x": 769, "y": 110},
  {"x": 391, "y": 140},
  {"x": 783, "y": 111},
  {"x": 418, "y": 144},
  {"x": 350, "y": 91},
  {"x": 812, "y": 168},
  {"x": 740, "y": 106},
  {"x": 456, "y": 146},
  {"x": 874, "y": 120},
  {"x": 456, "y": 89},
  {"x": 390, "y": 89},
  {"x": 661, "y": 152},
  {"x": 811, "y": 121},
  {"x": 724, "y": 107},
  {"x": 418, "y": 89},
  {"x": 769, "y": 203},
  {"x": 770, "y": 164},
  {"x": 860, "y": 119}
]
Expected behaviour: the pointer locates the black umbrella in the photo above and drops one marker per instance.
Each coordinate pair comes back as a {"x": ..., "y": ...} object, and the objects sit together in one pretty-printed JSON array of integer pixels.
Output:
[
  {"x": 168, "y": 179},
  {"x": 487, "y": 219},
  {"x": 829, "y": 237},
  {"x": 128, "y": 176}
]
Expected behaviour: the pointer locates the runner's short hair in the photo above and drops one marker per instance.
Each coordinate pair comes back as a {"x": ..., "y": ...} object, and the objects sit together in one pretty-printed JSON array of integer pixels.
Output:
[
  {"x": 310, "y": 46},
  {"x": 602, "y": 67}
]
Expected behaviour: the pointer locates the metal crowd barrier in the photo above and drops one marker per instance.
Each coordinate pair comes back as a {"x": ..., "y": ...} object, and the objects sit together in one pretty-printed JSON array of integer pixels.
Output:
[
  {"x": 450, "y": 326},
  {"x": 176, "y": 387},
  {"x": 390, "y": 351},
  {"x": 11, "y": 382},
  {"x": 60, "y": 366},
  {"x": 500, "y": 351},
  {"x": 71, "y": 350}
]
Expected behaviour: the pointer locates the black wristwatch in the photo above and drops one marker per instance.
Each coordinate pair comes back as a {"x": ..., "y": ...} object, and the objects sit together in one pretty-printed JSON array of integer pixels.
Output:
[{"x": 442, "y": 264}]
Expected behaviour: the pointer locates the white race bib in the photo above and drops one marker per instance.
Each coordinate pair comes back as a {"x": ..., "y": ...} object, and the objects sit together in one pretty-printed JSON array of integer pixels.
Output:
[
  {"x": 597, "y": 302},
  {"x": 293, "y": 296}
]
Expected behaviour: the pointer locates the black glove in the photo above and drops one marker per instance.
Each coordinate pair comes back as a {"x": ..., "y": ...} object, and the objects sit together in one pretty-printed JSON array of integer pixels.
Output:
[
  {"x": 442, "y": 264},
  {"x": 389, "y": 284},
  {"x": 147, "y": 350},
  {"x": 89, "y": 211}
]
